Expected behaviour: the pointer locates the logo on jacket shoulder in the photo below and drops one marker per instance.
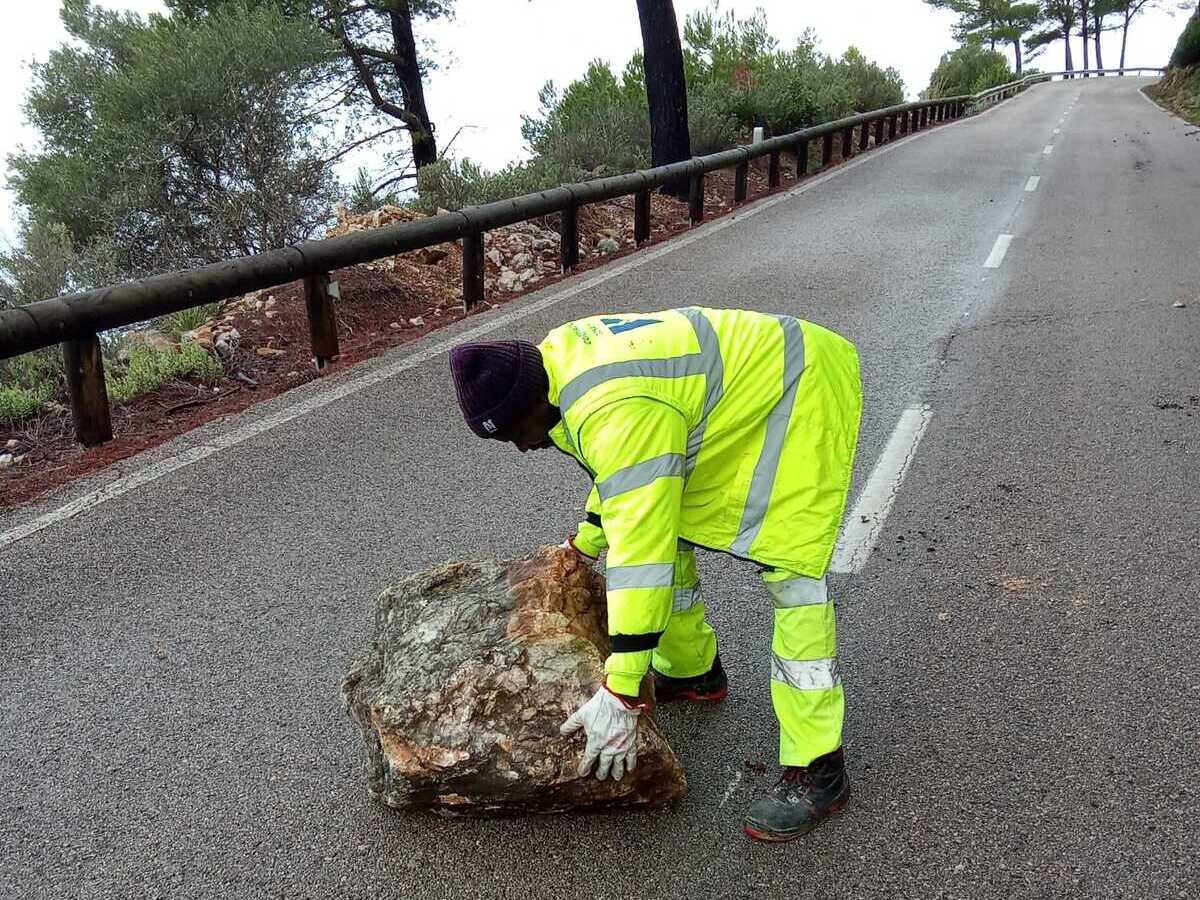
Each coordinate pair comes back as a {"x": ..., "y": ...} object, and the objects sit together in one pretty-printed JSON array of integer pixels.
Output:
[{"x": 489, "y": 426}]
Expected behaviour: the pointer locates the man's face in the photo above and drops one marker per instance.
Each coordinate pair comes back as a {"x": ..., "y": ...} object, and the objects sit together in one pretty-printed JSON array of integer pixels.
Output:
[{"x": 532, "y": 431}]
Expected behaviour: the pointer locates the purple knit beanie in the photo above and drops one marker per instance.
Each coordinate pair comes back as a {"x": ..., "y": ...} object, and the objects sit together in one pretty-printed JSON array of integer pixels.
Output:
[{"x": 497, "y": 382}]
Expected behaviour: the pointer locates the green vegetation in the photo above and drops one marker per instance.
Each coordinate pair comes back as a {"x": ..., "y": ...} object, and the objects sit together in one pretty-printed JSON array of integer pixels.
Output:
[
  {"x": 969, "y": 70},
  {"x": 737, "y": 77},
  {"x": 149, "y": 369},
  {"x": 1187, "y": 50},
  {"x": 448, "y": 184},
  {"x": 28, "y": 383},
  {"x": 168, "y": 143},
  {"x": 17, "y": 404},
  {"x": 176, "y": 324}
]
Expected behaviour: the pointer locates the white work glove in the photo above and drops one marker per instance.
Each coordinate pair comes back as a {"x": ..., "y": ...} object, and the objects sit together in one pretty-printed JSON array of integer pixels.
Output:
[
  {"x": 612, "y": 734},
  {"x": 569, "y": 544}
]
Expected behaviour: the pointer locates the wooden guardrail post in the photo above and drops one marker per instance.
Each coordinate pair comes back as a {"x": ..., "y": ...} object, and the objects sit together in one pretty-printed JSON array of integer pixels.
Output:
[
  {"x": 322, "y": 327},
  {"x": 802, "y": 158},
  {"x": 773, "y": 176},
  {"x": 641, "y": 216},
  {"x": 473, "y": 269},
  {"x": 696, "y": 198},
  {"x": 741, "y": 176},
  {"x": 879, "y": 125},
  {"x": 568, "y": 233},
  {"x": 827, "y": 149},
  {"x": 84, "y": 362},
  {"x": 864, "y": 134},
  {"x": 848, "y": 143},
  {"x": 905, "y": 119},
  {"x": 893, "y": 127}
]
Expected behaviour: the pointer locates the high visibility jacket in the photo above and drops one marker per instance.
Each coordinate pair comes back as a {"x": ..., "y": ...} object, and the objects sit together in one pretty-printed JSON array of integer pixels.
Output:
[{"x": 728, "y": 429}]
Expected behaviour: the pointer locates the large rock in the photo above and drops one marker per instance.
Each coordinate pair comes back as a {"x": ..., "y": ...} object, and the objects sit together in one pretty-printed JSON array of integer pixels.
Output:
[{"x": 473, "y": 667}]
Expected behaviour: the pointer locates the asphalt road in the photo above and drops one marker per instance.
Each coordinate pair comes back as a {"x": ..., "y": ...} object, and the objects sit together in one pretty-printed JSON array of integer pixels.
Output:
[{"x": 1020, "y": 652}]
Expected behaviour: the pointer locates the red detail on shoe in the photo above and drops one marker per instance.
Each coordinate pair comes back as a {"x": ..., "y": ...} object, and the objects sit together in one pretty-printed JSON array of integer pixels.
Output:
[
  {"x": 767, "y": 837},
  {"x": 770, "y": 837}
]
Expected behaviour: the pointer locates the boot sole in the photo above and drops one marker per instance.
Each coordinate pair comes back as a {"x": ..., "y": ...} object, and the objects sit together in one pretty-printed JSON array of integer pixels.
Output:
[
  {"x": 695, "y": 696},
  {"x": 784, "y": 837}
]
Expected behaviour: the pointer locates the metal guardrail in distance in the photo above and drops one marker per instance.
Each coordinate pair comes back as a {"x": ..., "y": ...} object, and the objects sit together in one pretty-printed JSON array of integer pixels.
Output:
[
  {"x": 1000, "y": 92},
  {"x": 76, "y": 320}
]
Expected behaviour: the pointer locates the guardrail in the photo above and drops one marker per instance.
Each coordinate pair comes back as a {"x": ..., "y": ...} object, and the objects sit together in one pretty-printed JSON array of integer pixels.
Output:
[
  {"x": 994, "y": 95},
  {"x": 77, "y": 320}
]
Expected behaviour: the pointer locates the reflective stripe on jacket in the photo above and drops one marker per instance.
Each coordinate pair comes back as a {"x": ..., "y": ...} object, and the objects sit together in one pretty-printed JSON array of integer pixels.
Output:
[{"x": 730, "y": 429}]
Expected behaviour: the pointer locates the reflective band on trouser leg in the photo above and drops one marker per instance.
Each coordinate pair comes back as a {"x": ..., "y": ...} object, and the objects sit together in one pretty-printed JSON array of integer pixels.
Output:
[
  {"x": 689, "y": 645},
  {"x": 806, "y": 687},
  {"x": 789, "y": 590}
]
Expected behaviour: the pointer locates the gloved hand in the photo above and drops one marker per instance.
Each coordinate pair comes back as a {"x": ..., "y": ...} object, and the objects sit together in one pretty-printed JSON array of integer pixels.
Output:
[
  {"x": 569, "y": 544},
  {"x": 612, "y": 733}
]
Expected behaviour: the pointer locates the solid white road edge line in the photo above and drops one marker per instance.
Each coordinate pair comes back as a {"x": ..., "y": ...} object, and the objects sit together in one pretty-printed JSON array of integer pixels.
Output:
[
  {"x": 1032, "y": 184},
  {"x": 355, "y": 384},
  {"x": 998, "y": 250},
  {"x": 861, "y": 530}
]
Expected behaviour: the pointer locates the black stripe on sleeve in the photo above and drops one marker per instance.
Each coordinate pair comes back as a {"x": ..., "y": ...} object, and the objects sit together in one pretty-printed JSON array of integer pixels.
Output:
[
  {"x": 633, "y": 643},
  {"x": 594, "y": 519}
]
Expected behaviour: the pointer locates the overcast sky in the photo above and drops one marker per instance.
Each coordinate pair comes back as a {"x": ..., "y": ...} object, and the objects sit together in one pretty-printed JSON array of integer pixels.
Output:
[{"x": 496, "y": 54}]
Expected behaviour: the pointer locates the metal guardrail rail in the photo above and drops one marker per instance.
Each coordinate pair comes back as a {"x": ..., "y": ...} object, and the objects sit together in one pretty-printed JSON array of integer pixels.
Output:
[
  {"x": 1002, "y": 91},
  {"x": 76, "y": 320}
]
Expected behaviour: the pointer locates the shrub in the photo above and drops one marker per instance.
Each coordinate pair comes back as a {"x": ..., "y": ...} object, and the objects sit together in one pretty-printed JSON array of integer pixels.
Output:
[
  {"x": 176, "y": 324},
  {"x": 711, "y": 124},
  {"x": 1187, "y": 50},
  {"x": 363, "y": 198},
  {"x": 969, "y": 70},
  {"x": 599, "y": 121},
  {"x": 149, "y": 369},
  {"x": 870, "y": 87},
  {"x": 38, "y": 371},
  {"x": 18, "y": 404},
  {"x": 451, "y": 184}
]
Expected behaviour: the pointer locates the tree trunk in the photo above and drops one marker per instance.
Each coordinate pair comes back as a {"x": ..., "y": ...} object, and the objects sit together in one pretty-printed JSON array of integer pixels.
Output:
[
  {"x": 1017, "y": 51},
  {"x": 1083, "y": 7},
  {"x": 408, "y": 71},
  {"x": 1124, "y": 38},
  {"x": 1070, "y": 66},
  {"x": 666, "y": 89},
  {"x": 1096, "y": 37}
]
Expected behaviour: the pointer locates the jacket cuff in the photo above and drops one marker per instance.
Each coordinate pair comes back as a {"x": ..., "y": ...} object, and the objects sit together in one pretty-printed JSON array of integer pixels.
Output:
[
  {"x": 588, "y": 548},
  {"x": 624, "y": 683}
]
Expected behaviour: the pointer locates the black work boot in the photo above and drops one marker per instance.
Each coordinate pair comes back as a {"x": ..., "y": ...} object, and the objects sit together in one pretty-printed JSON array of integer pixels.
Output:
[
  {"x": 710, "y": 687},
  {"x": 800, "y": 800}
]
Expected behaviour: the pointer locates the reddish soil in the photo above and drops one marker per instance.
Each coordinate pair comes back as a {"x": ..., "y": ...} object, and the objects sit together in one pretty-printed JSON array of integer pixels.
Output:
[{"x": 373, "y": 315}]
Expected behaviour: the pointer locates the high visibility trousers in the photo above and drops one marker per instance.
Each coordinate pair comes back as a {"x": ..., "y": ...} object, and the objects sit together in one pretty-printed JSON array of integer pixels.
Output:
[
  {"x": 688, "y": 645},
  {"x": 806, "y": 687}
]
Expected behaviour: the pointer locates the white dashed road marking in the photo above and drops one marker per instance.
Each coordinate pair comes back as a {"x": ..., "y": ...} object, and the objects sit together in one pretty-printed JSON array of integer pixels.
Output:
[
  {"x": 998, "y": 250},
  {"x": 1032, "y": 184}
]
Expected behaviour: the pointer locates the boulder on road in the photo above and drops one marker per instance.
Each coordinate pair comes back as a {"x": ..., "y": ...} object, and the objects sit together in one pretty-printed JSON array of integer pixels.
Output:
[{"x": 472, "y": 668}]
